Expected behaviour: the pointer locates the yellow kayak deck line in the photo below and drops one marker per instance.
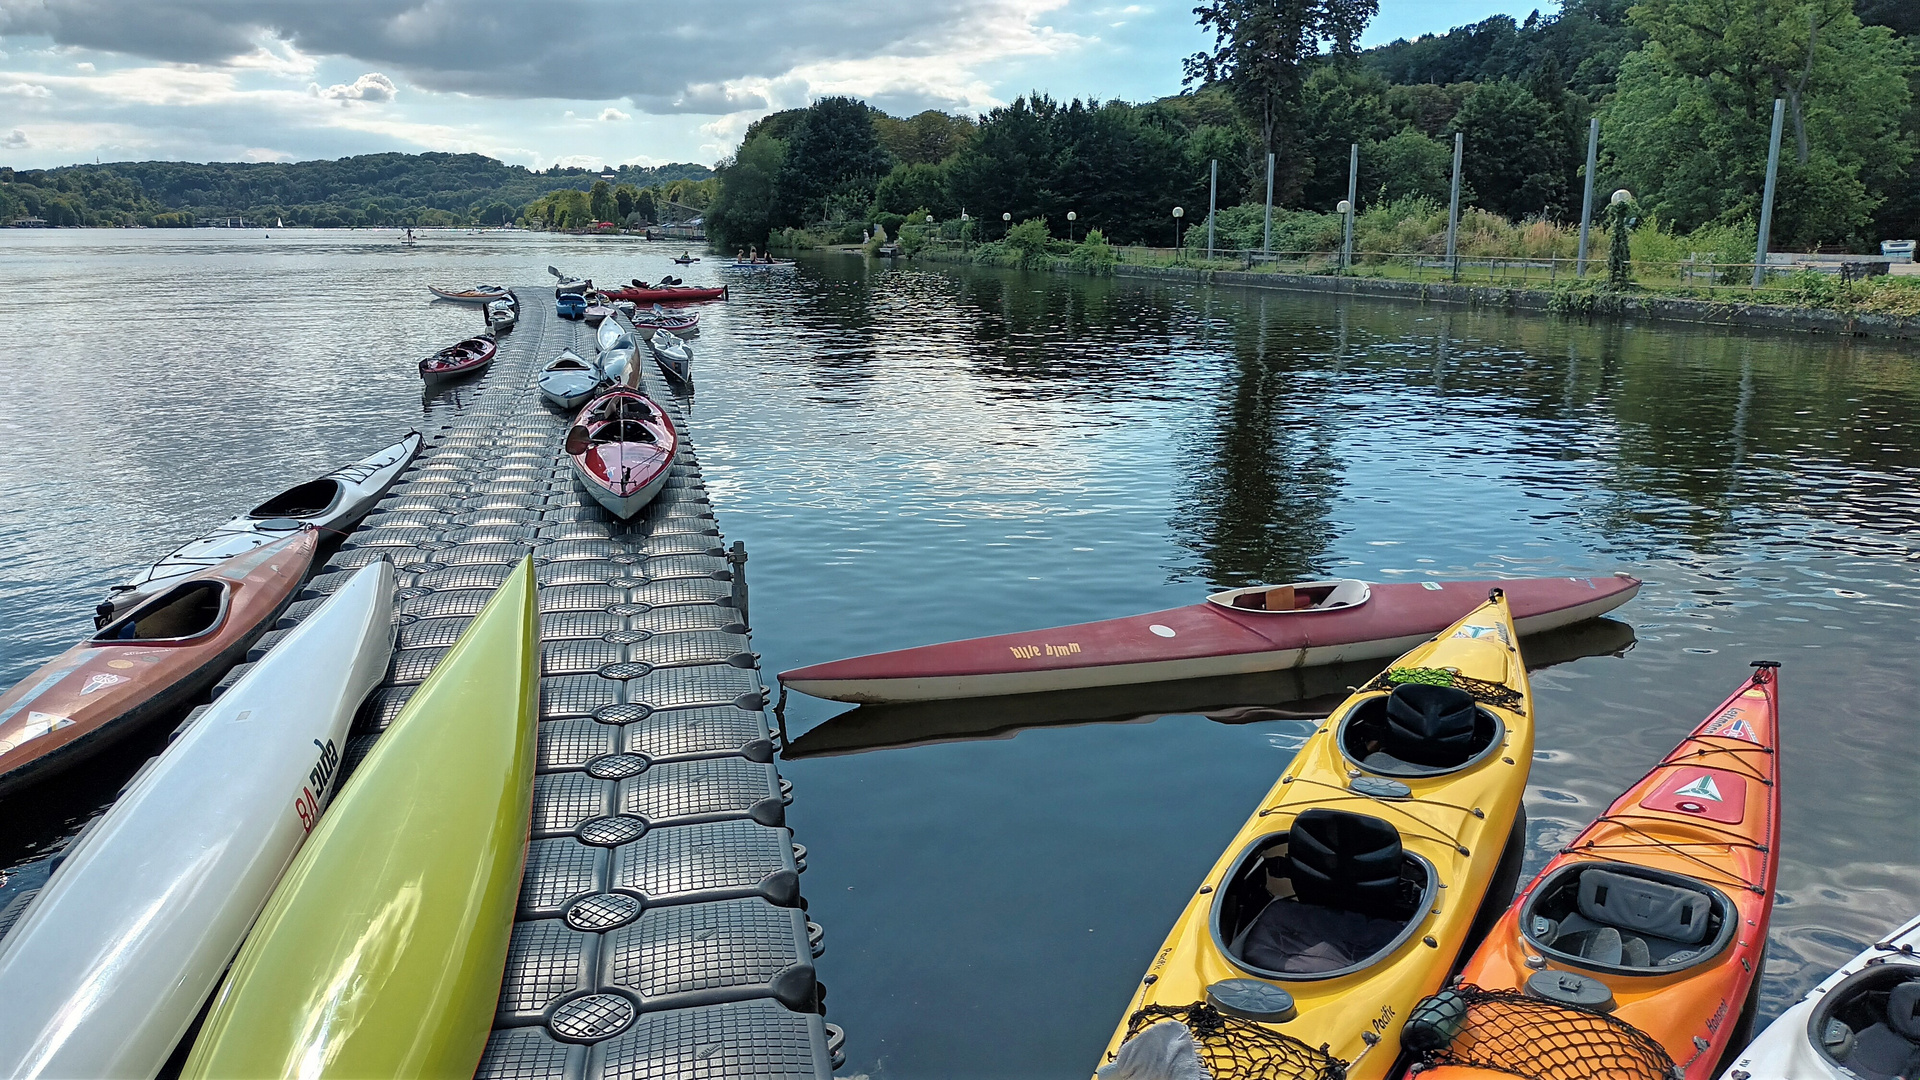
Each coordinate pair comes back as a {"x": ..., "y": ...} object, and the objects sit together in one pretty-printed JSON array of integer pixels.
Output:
[
  {"x": 1456, "y": 822},
  {"x": 380, "y": 952}
]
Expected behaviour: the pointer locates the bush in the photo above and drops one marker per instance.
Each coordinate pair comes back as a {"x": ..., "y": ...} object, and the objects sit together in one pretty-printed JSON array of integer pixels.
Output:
[
  {"x": 890, "y": 223},
  {"x": 1029, "y": 242},
  {"x": 1094, "y": 255},
  {"x": 913, "y": 238}
]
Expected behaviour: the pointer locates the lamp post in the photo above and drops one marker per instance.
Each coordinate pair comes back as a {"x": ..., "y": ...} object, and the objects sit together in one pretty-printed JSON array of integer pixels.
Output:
[
  {"x": 1345, "y": 210},
  {"x": 1178, "y": 213},
  {"x": 1071, "y": 218},
  {"x": 963, "y": 232},
  {"x": 1006, "y": 225}
]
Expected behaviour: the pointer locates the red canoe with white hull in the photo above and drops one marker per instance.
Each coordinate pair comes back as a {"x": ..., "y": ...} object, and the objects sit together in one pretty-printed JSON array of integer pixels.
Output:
[
  {"x": 1334, "y": 622},
  {"x": 623, "y": 448}
]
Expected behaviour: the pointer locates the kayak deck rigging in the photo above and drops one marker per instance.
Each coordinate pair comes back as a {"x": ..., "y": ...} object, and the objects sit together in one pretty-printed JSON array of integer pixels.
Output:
[{"x": 658, "y": 814}]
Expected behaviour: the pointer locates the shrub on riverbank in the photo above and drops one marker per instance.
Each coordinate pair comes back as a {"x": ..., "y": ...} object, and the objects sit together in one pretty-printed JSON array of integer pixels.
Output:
[{"x": 1094, "y": 255}]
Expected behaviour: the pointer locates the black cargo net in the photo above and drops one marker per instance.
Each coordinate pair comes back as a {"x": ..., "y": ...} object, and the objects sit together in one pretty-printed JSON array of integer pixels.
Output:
[
  {"x": 1236, "y": 1049},
  {"x": 1508, "y": 1032},
  {"x": 1498, "y": 695}
]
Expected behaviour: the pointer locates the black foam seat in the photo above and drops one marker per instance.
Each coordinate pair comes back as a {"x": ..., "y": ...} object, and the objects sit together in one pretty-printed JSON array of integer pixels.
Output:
[
  {"x": 1890, "y": 1047},
  {"x": 1432, "y": 726},
  {"x": 1625, "y": 921},
  {"x": 1347, "y": 903}
]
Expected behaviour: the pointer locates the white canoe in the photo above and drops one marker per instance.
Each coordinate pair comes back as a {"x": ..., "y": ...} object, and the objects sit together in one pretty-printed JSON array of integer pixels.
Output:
[
  {"x": 113, "y": 959},
  {"x": 613, "y": 335},
  {"x": 332, "y": 502},
  {"x": 674, "y": 356},
  {"x": 569, "y": 381},
  {"x": 1857, "y": 1025}
]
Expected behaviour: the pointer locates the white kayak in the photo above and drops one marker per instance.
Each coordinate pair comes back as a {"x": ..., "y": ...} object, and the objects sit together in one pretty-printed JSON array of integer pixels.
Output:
[
  {"x": 619, "y": 366},
  {"x": 569, "y": 381},
  {"x": 502, "y": 314},
  {"x": 111, "y": 962},
  {"x": 1862, "y": 1023},
  {"x": 674, "y": 356},
  {"x": 614, "y": 336},
  {"x": 332, "y": 502}
]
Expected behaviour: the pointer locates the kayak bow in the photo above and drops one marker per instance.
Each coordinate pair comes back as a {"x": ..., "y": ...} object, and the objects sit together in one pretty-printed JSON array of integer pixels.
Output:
[{"x": 381, "y": 952}]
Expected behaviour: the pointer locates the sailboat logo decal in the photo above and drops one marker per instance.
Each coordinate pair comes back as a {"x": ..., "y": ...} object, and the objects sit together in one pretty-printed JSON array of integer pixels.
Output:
[{"x": 1703, "y": 788}]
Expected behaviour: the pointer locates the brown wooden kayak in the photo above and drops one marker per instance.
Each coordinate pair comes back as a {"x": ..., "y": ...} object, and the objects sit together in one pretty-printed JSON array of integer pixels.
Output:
[{"x": 147, "y": 662}]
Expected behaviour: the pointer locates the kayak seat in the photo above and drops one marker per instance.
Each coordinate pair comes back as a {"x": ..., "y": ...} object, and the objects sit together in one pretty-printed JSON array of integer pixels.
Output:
[
  {"x": 1627, "y": 920},
  {"x": 1870, "y": 1022},
  {"x": 1337, "y": 893},
  {"x": 1419, "y": 730},
  {"x": 304, "y": 500},
  {"x": 187, "y": 610}
]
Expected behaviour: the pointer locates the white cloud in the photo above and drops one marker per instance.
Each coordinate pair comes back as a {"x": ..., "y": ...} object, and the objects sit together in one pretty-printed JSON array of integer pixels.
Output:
[
  {"x": 14, "y": 140},
  {"x": 372, "y": 86},
  {"x": 261, "y": 153},
  {"x": 25, "y": 89},
  {"x": 611, "y": 113},
  {"x": 83, "y": 66}
]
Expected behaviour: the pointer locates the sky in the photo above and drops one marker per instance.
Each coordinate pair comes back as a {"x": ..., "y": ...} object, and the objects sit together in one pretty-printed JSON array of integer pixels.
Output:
[{"x": 540, "y": 84}]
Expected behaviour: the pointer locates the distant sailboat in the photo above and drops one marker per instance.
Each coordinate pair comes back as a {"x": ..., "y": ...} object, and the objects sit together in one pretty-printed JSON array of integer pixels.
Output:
[{"x": 277, "y": 225}]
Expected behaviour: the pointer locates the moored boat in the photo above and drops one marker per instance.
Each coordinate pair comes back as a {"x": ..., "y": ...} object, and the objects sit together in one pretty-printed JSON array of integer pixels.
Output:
[
  {"x": 1353, "y": 889},
  {"x": 569, "y": 381},
  {"x": 380, "y": 952},
  {"x": 1861, "y": 1023},
  {"x": 595, "y": 314},
  {"x": 476, "y": 294},
  {"x": 658, "y": 318},
  {"x": 570, "y": 305},
  {"x": 1263, "y": 628},
  {"x": 667, "y": 294},
  {"x": 148, "y": 661},
  {"x": 623, "y": 446},
  {"x": 502, "y": 314},
  {"x": 109, "y": 965},
  {"x": 674, "y": 356},
  {"x": 613, "y": 336},
  {"x": 469, "y": 357},
  {"x": 331, "y": 503},
  {"x": 1636, "y": 953}
]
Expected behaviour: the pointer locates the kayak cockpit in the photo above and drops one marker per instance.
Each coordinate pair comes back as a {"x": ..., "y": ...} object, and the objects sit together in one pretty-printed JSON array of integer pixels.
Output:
[
  {"x": 1330, "y": 896},
  {"x": 1419, "y": 730},
  {"x": 1300, "y": 597},
  {"x": 310, "y": 499},
  {"x": 184, "y": 612},
  {"x": 1870, "y": 1023},
  {"x": 1629, "y": 920}
]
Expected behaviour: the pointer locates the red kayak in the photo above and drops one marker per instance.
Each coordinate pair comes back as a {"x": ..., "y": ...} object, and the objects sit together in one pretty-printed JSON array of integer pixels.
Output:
[
  {"x": 454, "y": 361},
  {"x": 623, "y": 446},
  {"x": 667, "y": 294},
  {"x": 148, "y": 661},
  {"x": 1264, "y": 628}
]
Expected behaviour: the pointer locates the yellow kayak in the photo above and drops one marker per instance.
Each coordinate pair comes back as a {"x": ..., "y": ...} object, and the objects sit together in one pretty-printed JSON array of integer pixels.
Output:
[
  {"x": 381, "y": 950},
  {"x": 1351, "y": 893}
]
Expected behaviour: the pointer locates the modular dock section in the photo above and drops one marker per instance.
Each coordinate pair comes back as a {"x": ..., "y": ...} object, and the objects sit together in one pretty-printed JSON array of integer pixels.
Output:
[{"x": 661, "y": 930}]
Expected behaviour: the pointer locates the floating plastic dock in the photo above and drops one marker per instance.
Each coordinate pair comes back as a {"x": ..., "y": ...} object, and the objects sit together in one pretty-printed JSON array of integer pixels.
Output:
[{"x": 661, "y": 928}]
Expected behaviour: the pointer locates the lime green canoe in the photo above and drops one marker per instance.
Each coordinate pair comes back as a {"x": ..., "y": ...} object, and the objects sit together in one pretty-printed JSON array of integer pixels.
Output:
[{"x": 381, "y": 950}]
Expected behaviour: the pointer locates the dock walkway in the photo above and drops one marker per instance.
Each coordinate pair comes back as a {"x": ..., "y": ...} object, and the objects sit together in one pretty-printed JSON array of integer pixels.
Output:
[{"x": 661, "y": 928}]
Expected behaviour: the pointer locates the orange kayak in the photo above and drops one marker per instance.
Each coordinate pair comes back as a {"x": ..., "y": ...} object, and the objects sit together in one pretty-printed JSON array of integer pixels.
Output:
[
  {"x": 1637, "y": 951},
  {"x": 147, "y": 661}
]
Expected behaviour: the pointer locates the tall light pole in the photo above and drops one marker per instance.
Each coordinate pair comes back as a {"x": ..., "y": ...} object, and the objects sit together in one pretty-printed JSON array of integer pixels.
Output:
[
  {"x": 1266, "y": 238},
  {"x": 1353, "y": 194},
  {"x": 1766, "y": 200},
  {"x": 1345, "y": 210},
  {"x": 1178, "y": 213},
  {"x": 1453, "y": 208},
  {"x": 1071, "y": 218},
  {"x": 1586, "y": 203},
  {"x": 1006, "y": 224},
  {"x": 1213, "y": 192}
]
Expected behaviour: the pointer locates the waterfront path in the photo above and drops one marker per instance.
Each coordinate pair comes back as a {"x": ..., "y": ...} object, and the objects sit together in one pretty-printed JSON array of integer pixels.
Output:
[{"x": 661, "y": 928}]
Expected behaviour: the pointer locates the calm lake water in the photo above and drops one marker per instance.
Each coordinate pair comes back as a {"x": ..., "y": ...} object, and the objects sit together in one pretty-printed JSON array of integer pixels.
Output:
[{"x": 913, "y": 455}]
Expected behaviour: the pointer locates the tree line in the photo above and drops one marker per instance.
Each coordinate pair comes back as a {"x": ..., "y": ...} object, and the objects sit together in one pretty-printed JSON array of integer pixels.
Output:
[
  {"x": 1683, "y": 90},
  {"x": 366, "y": 190}
]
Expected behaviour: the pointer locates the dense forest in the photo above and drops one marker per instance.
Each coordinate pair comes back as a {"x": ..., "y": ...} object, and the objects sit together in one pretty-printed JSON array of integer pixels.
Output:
[
  {"x": 372, "y": 189},
  {"x": 1684, "y": 108}
]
